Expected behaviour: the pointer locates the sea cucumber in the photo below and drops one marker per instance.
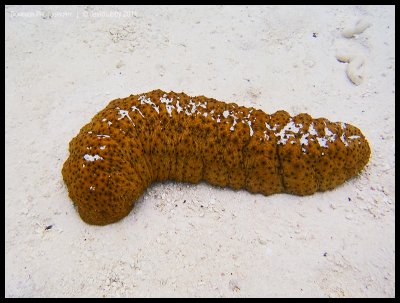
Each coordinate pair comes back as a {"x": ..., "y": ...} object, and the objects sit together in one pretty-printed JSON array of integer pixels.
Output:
[{"x": 159, "y": 136}]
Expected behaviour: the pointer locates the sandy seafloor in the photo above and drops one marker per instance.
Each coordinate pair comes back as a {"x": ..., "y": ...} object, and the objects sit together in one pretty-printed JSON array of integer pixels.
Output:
[{"x": 64, "y": 64}]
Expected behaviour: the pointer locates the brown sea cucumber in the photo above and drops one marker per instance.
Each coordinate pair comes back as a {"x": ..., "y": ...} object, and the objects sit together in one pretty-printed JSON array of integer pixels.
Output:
[{"x": 159, "y": 136}]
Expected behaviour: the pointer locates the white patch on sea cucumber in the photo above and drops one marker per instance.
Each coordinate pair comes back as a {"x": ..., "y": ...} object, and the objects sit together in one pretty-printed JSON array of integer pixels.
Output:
[
  {"x": 193, "y": 106},
  {"x": 331, "y": 136},
  {"x": 248, "y": 116},
  {"x": 168, "y": 106},
  {"x": 135, "y": 108},
  {"x": 283, "y": 140},
  {"x": 269, "y": 126},
  {"x": 92, "y": 158},
  {"x": 225, "y": 114},
  {"x": 291, "y": 126},
  {"x": 103, "y": 136},
  {"x": 303, "y": 139},
  {"x": 343, "y": 139},
  {"x": 92, "y": 188},
  {"x": 125, "y": 113},
  {"x": 109, "y": 123},
  {"x": 266, "y": 135},
  {"x": 328, "y": 132},
  {"x": 143, "y": 100},
  {"x": 354, "y": 137},
  {"x": 165, "y": 100},
  {"x": 169, "y": 109},
  {"x": 251, "y": 130},
  {"x": 233, "y": 125},
  {"x": 102, "y": 147},
  {"x": 322, "y": 142},
  {"x": 178, "y": 107},
  {"x": 312, "y": 130},
  {"x": 203, "y": 105}
]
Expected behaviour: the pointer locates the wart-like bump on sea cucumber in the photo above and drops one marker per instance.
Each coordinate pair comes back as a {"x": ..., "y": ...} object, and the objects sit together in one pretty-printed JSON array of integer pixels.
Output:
[{"x": 160, "y": 136}]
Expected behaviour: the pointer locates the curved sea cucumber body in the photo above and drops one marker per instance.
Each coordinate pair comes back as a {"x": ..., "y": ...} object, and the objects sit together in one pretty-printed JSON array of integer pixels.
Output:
[{"x": 160, "y": 136}]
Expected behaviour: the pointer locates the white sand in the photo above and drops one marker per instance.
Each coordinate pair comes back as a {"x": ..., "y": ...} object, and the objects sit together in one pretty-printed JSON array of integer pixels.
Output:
[{"x": 64, "y": 64}]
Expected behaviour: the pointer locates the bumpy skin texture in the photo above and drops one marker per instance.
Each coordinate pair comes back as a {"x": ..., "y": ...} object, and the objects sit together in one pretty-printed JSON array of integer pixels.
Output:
[{"x": 160, "y": 136}]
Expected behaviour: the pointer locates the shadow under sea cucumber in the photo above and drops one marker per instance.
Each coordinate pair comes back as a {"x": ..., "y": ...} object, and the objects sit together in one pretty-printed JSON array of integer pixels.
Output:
[{"x": 159, "y": 136}]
